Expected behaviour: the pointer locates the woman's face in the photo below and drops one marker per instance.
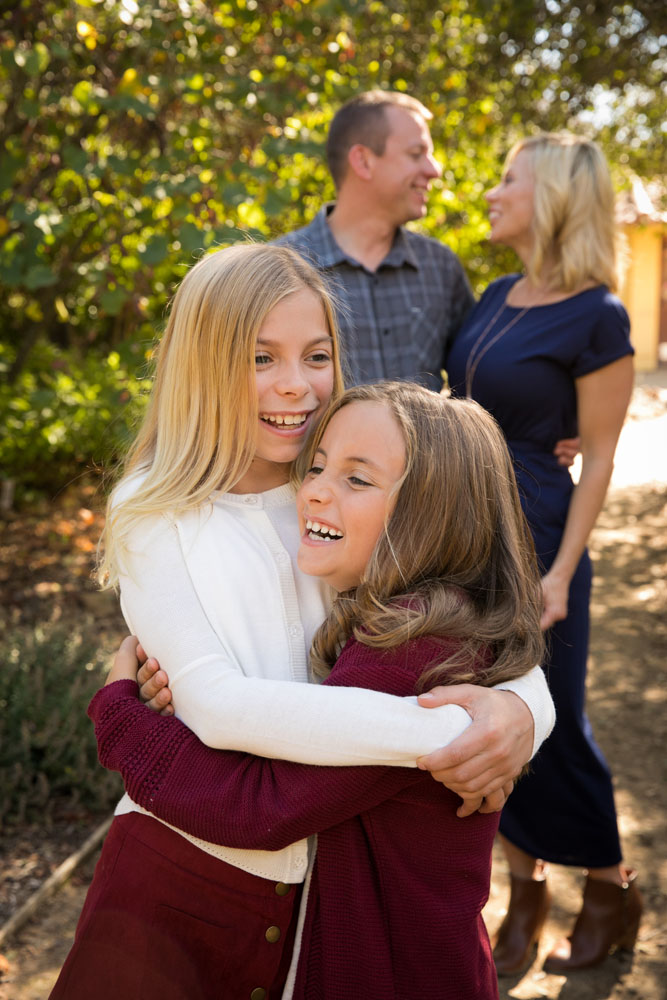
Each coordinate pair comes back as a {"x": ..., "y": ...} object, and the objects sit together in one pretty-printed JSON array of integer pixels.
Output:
[
  {"x": 347, "y": 495},
  {"x": 511, "y": 204},
  {"x": 294, "y": 372}
]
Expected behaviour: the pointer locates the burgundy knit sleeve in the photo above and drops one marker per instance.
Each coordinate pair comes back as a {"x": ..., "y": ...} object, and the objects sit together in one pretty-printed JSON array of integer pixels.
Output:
[{"x": 234, "y": 798}]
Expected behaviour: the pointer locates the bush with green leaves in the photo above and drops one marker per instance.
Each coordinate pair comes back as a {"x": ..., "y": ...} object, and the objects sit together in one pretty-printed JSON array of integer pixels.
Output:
[
  {"x": 48, "y": 755},
  {"x": 67, "y": 414},
  {"x": 135, "y": 136}
]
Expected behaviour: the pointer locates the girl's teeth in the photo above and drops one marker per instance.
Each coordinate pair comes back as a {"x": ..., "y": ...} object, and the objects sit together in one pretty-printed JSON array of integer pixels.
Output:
[
  {"x": 286, "y": 420},
  {"x": 318, "y": 531}
]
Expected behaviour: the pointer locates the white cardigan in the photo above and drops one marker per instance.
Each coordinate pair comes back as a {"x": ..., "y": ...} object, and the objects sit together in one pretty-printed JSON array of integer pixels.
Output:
[{"x": 217, "y": 598}]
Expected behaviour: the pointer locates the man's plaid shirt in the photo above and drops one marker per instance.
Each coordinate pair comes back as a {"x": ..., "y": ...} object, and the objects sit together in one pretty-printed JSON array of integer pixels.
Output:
[{"x": 396, "y": 322}]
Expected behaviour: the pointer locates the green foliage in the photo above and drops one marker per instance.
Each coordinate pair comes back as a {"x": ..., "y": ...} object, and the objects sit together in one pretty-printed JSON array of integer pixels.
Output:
[
  {"x": 48, "y": 755},
  {"x": 135, "y": 135},
  {"x": 64, "y": 413}
]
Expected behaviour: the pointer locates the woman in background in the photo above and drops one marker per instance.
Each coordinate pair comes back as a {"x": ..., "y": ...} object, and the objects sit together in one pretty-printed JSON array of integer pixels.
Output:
[{"x": 547, "y": 352}]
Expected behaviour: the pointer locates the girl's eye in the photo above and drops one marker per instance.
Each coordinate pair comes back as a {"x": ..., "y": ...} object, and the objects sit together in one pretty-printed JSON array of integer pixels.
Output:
[
  {"x": 320, "y": 357},
  {"x": 358, "y": 481},
  {"x": 314, "y": 470},
  {"x": 262, "y": 359}
]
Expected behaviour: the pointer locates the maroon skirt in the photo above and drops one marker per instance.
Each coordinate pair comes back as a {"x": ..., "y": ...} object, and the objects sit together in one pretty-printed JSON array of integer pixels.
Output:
[{"x": 163, "y": 920}]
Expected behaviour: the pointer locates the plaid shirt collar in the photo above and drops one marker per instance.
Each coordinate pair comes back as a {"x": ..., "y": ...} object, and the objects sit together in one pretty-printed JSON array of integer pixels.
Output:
[{"x": 329, "y": 254}]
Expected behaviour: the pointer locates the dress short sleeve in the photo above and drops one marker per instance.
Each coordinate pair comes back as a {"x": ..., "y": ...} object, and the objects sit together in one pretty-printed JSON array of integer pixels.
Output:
[{"x": 609, "y": 338}]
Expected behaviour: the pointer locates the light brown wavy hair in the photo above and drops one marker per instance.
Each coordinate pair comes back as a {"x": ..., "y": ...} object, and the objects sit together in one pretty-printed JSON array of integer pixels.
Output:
[
  {"x": 455, "y": 559},
  {"x": 200, "y": 429}
]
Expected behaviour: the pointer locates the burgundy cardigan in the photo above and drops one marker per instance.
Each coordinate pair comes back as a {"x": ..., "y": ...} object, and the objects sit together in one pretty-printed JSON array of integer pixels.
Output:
[{"x": 399, "y": 882}]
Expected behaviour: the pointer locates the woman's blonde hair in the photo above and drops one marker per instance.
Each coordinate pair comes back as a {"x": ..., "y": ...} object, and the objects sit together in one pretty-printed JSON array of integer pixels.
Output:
[
  {"x": 576, "y": 240},
  {"x": 199, "y": 433},
  {"x": 456, "y": 558}
]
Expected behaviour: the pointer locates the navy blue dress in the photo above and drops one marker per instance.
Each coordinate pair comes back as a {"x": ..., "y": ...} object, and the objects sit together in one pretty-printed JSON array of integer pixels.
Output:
[{"x": 563, "y": 811}]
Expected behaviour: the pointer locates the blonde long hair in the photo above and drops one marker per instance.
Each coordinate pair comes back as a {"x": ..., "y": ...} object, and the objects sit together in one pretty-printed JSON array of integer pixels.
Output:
[
  {"x": 576, "y": 239},
  {"x": 199, "y": 433},
  {"x": 456, "y": 558}
]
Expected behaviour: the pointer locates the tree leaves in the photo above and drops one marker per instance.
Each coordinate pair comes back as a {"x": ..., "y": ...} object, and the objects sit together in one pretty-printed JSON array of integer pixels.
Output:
[
  {"x": 136, "y": 135},
  {"x": 131, "y": 117}
]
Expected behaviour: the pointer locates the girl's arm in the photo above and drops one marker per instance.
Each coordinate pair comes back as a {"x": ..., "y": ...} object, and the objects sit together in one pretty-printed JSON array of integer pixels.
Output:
[
  {"x": 237, "y": 799},
  {"x": 271, "y": 718},
  {"x": 602, "y": 402}
]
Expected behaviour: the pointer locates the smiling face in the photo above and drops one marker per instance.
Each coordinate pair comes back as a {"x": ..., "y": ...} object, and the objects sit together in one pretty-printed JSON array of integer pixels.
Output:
[
  {"x": 402, "y": 174},
  {"x": 294, "y": 374},
  {"x": 511, "y": 205},
  {"x": 348, "y": 494}
]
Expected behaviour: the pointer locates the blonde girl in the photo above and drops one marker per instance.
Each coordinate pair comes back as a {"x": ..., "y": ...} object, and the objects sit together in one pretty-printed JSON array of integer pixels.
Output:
[{"x": 202, "y": 539}]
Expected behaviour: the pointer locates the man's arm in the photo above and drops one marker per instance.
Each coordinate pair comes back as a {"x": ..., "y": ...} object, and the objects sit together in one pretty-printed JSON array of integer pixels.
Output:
[{"x": 566, "y": 450}]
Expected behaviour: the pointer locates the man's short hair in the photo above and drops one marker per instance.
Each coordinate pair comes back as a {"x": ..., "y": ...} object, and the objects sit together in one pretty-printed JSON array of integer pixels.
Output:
[{"x": 363, "y": 120}]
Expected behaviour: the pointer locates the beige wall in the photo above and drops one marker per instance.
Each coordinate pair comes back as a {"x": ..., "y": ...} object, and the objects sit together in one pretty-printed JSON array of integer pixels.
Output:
[{"x": 640, "y": 291}]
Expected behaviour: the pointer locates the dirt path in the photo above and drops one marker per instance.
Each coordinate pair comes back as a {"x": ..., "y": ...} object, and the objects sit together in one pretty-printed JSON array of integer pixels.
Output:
[{"x": 627, "y": 695}]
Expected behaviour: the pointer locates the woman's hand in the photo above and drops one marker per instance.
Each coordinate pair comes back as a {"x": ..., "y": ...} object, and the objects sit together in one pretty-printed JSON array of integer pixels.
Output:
[{"x": 555, "y": 592}]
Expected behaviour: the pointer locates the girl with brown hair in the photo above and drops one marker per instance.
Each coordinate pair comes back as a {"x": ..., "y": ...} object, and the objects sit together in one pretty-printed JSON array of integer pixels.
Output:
[{"x": 409, "y": 510}]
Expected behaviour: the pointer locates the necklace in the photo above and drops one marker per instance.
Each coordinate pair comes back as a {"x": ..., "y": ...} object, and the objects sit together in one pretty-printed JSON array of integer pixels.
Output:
[{"x": 478, "y": 351}]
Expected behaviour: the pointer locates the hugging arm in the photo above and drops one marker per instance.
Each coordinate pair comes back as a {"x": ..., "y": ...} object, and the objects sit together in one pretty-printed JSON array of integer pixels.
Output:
[
  {"x": 272, "y": 718},
  {"x": 479, "y": 765},
  {"x": 233, "y": 798}
]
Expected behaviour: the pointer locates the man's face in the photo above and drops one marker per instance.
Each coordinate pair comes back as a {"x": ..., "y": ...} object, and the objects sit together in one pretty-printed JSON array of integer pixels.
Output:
[{"x": 402, "y": 175}]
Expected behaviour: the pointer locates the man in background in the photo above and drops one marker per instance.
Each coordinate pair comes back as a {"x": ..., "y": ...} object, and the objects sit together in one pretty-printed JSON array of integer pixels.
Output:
[{"x": 402, "y": 295}]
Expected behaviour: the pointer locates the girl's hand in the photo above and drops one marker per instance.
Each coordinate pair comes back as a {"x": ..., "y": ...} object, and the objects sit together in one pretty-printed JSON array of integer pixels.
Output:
[
  {"x": 555, "y": 594},
  {"x": 126, "y": 663},
  {"x": 154, "y": 686},
  {"x": 480, "y": 766}
]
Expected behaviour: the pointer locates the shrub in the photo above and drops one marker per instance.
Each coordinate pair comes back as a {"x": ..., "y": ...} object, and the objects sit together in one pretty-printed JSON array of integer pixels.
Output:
[
  {"x": 48, "y": 755},
  {"x": 66, "y": 413}
]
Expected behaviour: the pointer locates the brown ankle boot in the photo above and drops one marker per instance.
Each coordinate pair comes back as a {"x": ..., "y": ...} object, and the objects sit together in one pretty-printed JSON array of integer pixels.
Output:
[
  {"x": 609, "y": 920},
  {"x": 520, "y": 930}
]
